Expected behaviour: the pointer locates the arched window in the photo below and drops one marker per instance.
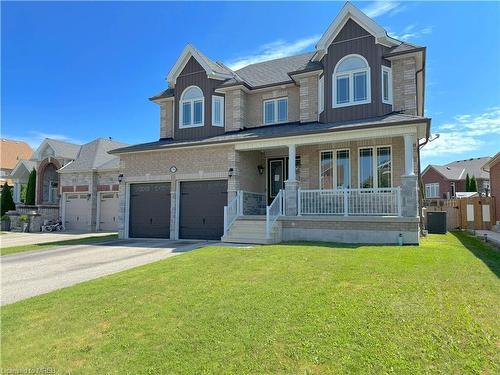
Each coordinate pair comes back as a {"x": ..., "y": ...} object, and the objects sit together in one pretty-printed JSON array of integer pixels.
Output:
[
  {"x": 191, "y": 108},
  {"x": 351, "y": 82}
]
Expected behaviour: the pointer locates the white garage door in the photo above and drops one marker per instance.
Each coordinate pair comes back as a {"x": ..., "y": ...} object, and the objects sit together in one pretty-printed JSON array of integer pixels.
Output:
[
  {"x": 108, "y": 211},
  {"x": 77, "y": 212}
]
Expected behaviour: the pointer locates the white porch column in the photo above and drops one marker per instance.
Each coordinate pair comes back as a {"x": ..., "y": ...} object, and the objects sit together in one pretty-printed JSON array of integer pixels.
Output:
[
  {"x": 409, "y": 168},
  {"x": 17, "y": 192},
  {"x": 291, "y": 163}
]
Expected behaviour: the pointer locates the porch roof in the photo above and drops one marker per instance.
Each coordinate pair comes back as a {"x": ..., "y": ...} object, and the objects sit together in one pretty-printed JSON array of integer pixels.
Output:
[{"x": 279, "y": 131}]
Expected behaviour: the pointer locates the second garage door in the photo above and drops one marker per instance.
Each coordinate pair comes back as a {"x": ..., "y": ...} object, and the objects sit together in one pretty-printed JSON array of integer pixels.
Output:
[
  {"x": 201, "y": 211},
  {"x": 108, "y": 212},
  {"x": 149, "y": 213},
  {"x": 77, "y": 212}
]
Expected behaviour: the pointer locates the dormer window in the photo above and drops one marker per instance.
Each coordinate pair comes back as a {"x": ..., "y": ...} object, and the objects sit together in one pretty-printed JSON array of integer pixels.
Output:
[
  {"x": 191, "y": 108},
  {"x": 351, "y": 82}
]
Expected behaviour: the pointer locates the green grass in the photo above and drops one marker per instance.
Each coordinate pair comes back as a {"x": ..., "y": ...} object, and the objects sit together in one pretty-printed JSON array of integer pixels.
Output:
[
  {"x": 294, "y": 309},
  {"x": 51, "y": 245}
]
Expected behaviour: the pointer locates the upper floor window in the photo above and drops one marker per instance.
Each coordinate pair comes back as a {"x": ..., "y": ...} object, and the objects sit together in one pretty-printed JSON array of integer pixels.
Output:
[
  {"x": 218, "y": 111},
  {"x": 351, "y": 82},
  {"x": 432, "y": 190},
  {"x": 275, "y": 111},
  {"x": 192, "y": 108},
  {"x": 386, "y": 85}
]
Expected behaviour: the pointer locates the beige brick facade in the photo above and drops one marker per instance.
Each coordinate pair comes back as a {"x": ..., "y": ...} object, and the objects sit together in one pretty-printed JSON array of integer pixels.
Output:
[
  {"x": 404, "y": 85},
  {"x": 166, "y": 119},
  {"x": 308, "y": 88}
]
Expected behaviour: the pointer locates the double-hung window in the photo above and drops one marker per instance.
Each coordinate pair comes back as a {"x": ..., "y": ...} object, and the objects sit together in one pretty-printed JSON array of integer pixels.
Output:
[
  {"x": 191, "y": 108},
  {"x": 432, "y": 190},
  {"x": 275, "y": 111},
  {"x": 386, "y": 85},
  {"x": 375, "y": 167},
  {"x": 218, "y": 111},
  {"x": 351, "y": 82},
  {"x": 334, "y": 169}
]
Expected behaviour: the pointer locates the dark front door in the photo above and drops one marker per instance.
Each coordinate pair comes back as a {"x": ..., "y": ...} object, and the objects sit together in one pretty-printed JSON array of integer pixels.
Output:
[
  {"x": 276, "y": 176},
  {"x": 149, "y": 214},
  {"x": 201, "y": 211}
]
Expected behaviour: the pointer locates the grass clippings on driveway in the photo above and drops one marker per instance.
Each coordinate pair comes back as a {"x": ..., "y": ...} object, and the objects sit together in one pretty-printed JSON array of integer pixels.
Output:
[
  {"x": 290, "y": 308},
  {"x": 55, "y": 244}
]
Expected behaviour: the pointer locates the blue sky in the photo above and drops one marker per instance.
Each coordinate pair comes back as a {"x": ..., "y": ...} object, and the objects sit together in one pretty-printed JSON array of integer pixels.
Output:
[{"x": 78, "y": 71}]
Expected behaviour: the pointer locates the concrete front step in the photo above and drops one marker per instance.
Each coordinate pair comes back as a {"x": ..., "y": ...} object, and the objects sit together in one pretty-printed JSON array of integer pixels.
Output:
[{"x": 252, "y": 230}]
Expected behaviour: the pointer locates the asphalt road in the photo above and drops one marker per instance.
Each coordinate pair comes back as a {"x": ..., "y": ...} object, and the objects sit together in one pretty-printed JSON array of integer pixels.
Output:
[{"x": 36, "y": 272}]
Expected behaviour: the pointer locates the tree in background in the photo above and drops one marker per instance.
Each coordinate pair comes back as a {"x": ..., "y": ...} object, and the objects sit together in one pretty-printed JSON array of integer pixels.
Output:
[
  {"x": 6, "y": 201},
  {"x": 473, "y": 184},
  {"x": 467, "y": 183},
  {"x": 30, "y": 190},
  {"x": 23, "y": 193}
]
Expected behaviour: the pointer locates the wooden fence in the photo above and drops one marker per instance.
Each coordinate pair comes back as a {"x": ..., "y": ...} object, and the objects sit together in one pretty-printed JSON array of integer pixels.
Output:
[{"x": 465, "y": 213}]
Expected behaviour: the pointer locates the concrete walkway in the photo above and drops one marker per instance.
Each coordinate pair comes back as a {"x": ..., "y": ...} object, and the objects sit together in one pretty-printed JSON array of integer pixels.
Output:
[
  {"x": 8, "y": 239},
  {"x": 36, "y": 272}
]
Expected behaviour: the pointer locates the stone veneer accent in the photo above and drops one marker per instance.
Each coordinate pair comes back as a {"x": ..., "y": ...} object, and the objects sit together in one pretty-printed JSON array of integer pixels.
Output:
[
  {"x": 166, "y": 119},
  {"x": 404, "y": 85}
]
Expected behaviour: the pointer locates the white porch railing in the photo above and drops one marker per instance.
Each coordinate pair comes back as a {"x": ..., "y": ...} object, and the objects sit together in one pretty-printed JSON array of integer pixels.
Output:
[
  {"x": 350, "y": 202},
  {"x": 231, "y": 212},
  {"x": 273, "y": 211}
]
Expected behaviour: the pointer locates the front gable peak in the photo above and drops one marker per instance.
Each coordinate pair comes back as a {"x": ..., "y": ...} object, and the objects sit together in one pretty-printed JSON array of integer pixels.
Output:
[{"x": 213, "y": 69}]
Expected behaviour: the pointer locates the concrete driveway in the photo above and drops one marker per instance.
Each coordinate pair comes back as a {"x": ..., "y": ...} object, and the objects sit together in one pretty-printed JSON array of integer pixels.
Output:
[
  {"x": 36, "y": 272},
  {"x": 8, "y": 239}
]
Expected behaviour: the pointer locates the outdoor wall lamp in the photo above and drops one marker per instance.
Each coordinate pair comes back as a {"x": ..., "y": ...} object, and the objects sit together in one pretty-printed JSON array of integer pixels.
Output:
[
  {"x": 230, "y": 172},
  {"x": 120, "y": 178},
  {"x": 260, "y": 168}
]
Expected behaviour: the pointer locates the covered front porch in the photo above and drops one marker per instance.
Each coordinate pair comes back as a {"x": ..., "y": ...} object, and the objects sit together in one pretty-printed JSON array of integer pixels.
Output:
[{"x": 349, "y": 190}]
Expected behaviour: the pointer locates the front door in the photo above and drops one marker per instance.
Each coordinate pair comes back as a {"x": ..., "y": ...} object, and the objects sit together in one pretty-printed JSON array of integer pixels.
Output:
[{"x": 276, "y": 176}]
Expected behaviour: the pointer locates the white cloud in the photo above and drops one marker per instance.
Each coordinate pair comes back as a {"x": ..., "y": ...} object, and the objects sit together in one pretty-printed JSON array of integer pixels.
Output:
[
  {"x": 35, "y": 138},
  {"x": 274, "y": 50},
  {"x": 410, "y": 32},
  {"x": 380, "y": 7},
  {"x": 464, "y": 133}
]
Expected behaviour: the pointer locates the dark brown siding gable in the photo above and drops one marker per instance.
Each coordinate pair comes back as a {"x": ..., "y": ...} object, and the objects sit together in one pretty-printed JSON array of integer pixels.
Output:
[
  {"x": 193, "y": 74},
  {"x": 353, "y": 39}
]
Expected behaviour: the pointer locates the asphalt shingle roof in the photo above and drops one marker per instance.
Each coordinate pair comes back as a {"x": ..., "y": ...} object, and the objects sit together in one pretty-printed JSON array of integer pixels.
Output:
[
  {"x": 64, "y": 149},
  {"x": 458, "y": 170}
]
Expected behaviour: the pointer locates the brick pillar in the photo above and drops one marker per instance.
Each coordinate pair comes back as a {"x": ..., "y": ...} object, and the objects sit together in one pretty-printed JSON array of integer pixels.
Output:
[
  {"x": 233, "y": 183},
  {"x": 291, "y": 196},
  {"x": 122, "y": 214},
  {"x": 93, "y": 202},
  {"x": 409, "y": 196},
  {"x": 173, "y": 209}
]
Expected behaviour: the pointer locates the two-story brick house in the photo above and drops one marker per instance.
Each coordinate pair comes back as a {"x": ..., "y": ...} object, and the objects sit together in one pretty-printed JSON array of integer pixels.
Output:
[{"x": 319, "y": 146}]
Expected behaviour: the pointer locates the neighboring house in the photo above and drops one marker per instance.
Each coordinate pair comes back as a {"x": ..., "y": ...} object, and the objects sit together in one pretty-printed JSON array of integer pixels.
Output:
[
  {"x": 492, "y": 167},
  {"x": 318, "y": 146},
  {"x": 444, "y": 181},
  {"x": 11, "y": 151},
  {"x": 78, "y": 183}
]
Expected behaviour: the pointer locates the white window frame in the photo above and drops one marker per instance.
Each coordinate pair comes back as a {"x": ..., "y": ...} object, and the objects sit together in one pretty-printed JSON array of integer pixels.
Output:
[
  {"x": 216, "y": 98},
  {"x": 321, "y": 94},
  {"x": 350, "y": 74},
  {"x": 191, "y": 102},
  {"x": 374, "y": 166},
  {"x": 431, "y": 187},
  {"x": 275, "y": 104},
  {"x": 388, "y": 70},
  {"x": 334, "y": 161}
]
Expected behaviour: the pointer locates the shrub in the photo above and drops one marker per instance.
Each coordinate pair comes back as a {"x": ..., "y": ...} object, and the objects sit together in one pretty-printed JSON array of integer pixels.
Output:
[
  {"x": 5, "y": 218},
  {"x": 6, "y": 201},
  {"x": 30, "y": 190},
  {"x": 473, "y": 184},
  {"x": 23, "y": 218}
]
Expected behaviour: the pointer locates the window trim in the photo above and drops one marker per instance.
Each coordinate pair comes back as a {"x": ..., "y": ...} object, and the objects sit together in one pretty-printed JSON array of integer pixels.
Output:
[
  {"x": 374, "y": 166},
  {"x": 388, "y": 70},
  {"x": 275, "y": 104},
  {"x": 429, "y": 185},
  {"x": 334, "y": 161},
  {"x": 191, "y": 102},
  {"x": 350, "y": 74},
  {"x": 321, "y": 94},
  {"x": 222, "y": 109}
]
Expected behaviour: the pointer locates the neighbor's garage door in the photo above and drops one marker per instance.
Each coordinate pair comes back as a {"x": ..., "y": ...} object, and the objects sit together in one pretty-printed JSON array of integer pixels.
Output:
[
  {"x": 76, "y": 212},
  {"x": 149, "y": 213},
  {"x": 202, "y": 209},
  {"x": 108, "y": 212}
]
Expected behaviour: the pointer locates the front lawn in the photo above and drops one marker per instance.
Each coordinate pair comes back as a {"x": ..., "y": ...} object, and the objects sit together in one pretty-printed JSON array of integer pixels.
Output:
[
  {"x": 296, "y": 308},
  {"x": 52, "y": 245}
]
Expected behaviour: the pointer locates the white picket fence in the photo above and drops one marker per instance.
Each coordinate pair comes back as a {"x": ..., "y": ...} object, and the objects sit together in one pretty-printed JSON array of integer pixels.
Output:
[{"x": 350, "y": 202}]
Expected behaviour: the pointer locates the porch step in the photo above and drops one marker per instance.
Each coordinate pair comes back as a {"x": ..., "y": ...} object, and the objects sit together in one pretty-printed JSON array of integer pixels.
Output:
[{"x": 247, "y": 230}]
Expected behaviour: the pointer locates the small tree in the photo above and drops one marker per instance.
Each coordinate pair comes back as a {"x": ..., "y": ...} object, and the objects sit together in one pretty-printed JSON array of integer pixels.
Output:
[
  {"x": 467, "y": 183},
  {"x": 6, "y": 201},
  {"x": 30, "y": 190},
  {"x": 22, "y": 197},
  {"x": 473, "y": 184}
]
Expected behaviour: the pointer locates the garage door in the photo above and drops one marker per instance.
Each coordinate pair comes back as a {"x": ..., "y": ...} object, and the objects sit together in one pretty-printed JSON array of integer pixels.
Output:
[
  {"x": 149, "y": 213},
  {"x": 201, "y": 211},
  {"x": 77, "y": 212},
  {"x": 108, "y": 212}
]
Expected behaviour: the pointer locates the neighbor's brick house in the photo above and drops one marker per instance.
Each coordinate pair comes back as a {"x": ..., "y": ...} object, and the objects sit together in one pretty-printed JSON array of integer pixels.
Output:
[{"x": 493, "y": 168}]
